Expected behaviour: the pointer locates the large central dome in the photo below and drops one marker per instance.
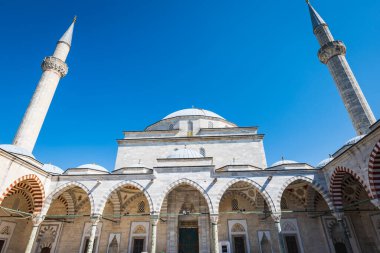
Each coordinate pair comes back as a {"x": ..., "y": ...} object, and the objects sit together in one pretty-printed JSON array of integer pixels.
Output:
[{"x": 193, "y": 112}]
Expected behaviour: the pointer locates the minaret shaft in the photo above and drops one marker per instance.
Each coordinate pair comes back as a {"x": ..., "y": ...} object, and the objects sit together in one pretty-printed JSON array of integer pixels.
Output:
[
  {"x": 333, "y": 54},
  {"x": 54, "y": 68},
  {"x": 34, "y": 117},
  {"x": 356, "y": 104}
]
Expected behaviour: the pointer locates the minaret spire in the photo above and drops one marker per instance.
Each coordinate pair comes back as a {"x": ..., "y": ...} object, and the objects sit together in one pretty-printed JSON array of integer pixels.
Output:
[
  {"x": 333, "y": 54},
  {"x": 68, "y": 35},
  {"x": 316, "y": 19},
  {"x": 54, "y": 68}
]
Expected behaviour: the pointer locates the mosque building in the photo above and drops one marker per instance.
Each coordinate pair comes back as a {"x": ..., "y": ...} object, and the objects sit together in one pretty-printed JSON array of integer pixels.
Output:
[{"x": 194, "y": 182}]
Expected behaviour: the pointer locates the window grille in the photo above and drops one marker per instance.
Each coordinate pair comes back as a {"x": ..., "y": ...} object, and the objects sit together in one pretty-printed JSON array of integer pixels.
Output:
[
  {"x": 235, "y": 204},
  {"x": 142, "y": 207}
]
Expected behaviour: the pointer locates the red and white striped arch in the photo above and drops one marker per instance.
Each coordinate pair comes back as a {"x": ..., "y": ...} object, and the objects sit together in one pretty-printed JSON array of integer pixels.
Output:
[
  {"x": 336, "y": 182},
  {"x": 374, "y": 170},
  {"x": 31, "y": 184}
]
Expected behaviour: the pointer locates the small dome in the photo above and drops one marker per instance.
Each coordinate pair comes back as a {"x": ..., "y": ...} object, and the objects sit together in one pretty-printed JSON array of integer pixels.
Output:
[
  {"x": 16, "y": 150},
  {"x": 282, "y": 162},
  {"x": 185, "y": 153},
  {"x": 52, "y": 169},
  {"x": 193, "y": 112},
  {"x": 322, "y": 163},
  {"x": 354, "y": 140},
  {"x": 93, "y": 166}
]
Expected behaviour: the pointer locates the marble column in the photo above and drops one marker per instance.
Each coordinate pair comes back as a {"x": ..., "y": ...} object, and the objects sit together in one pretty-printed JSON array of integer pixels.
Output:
[
  {"x": 94, "y": 224},
  {"x": 281, "y": 243},
  {"x": 343, "y": 230},
  {"x": 214, "y": 233},
  {"x": 154, "y": 221},
  {"x": 36, "y": 220}
]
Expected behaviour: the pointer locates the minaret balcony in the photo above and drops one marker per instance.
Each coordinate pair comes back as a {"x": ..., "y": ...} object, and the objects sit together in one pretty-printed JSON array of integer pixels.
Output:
[
  {"x": 331, "y": 49},
  {"x": 55, "y": 64}
]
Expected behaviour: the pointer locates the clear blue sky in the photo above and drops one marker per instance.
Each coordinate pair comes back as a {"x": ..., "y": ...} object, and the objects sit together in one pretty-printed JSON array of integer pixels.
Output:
[{"x": 133, "y": 62}]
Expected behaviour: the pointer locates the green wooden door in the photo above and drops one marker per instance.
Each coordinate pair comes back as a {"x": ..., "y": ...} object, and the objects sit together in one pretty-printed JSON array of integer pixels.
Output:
[{"x": 188, "y": 240}]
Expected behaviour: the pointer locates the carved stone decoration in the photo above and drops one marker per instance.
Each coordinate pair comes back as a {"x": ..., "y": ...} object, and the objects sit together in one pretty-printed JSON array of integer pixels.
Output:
[
  {"x": 334, "y": 234},
  {"x": 6, "y": 232},
  {"x": 187, "y": 205},
  {"x": 139, "y": 230},
  {"x": 113, "y": 243},
  {"x": 238, "y": 228},
  {"x": 55, "y": 64},
  {"x": 331, "y": 49},
  {"x": 48, "y": 236}
]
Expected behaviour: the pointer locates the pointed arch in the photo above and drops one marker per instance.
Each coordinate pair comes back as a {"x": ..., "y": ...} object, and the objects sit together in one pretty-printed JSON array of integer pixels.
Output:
[
  {"x": 255, "y": 185},
  {"x": 34, "y": 186},
  {"x": 61, "y": 189},
  {"x": 184, "y": 181},
  {"x": 314, "y": 184},
  {"x": 100, "y": 207},
  {"x": 374, "y": 170},
  {"x": 336, "y": 182}
]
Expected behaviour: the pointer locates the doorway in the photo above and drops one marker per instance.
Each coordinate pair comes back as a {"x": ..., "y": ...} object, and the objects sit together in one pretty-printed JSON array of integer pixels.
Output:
[
  {"x": 239, "y": 244},
  {"x": 138, "y": 245},
  {"x": 188, "y": 241},
  {"x": 291, "y": 243}
]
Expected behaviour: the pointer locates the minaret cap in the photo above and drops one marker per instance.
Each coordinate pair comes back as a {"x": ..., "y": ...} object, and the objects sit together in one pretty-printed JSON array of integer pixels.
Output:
[
  {"x": 68, "y": 35},
  {"x": 316, "y": 19}
]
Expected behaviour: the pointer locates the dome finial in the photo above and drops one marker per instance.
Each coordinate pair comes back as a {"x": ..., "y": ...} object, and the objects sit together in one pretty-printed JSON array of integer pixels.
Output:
[{"x": 75, "y": 19}]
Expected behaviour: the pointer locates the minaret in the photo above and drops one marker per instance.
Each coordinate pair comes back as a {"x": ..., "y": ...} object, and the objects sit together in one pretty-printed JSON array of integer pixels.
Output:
[
  {"x": 54, "y": 68},
  {"x": 332, "y": 53}
]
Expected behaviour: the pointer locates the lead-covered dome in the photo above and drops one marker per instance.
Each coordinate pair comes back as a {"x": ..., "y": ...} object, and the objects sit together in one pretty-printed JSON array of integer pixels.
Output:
[
  {"x": 282, "y": 162},
  {"x": 16, "y": 150},
  {"x": 184, "y": 153},
  {"x": 52, "y": 169},
  {"x": 324, "y": 162},
  {"x": 92, "y": 166},
  {"x": 193, "y": 112}
]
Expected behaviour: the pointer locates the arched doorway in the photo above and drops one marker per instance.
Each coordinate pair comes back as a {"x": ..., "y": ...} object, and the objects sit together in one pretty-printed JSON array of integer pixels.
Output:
[
  {"x": 184, "y": 220},
  {"x": 126, "y": 215},
  {"x": 67, "y": 222},
  {"x": 352, "y": 198},
  {"x": 20, "y": 200},
  {"x": 303, "y": 204},
  {"x": 245, "y": 223}
]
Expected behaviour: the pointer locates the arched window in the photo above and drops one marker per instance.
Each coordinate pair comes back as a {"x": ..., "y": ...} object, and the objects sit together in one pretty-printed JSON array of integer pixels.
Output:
[
  {"x": 202, "y": 151},
  {"x": 190, "y": 128},
  {"x": 141, "y": 207},
  {"x": 171, "y": 127},
  {"x": 235, "y": 204},
  {"x": 190, "y": 125},
  {"x": 284, "y": 204},
  {"x": 210, "y": 124}
]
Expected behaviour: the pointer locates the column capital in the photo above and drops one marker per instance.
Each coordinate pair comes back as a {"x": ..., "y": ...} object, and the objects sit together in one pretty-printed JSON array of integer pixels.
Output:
[
  {"x": 37, "y": 219},
  {"x": 276, "y": 218},
  {"x": 214, "y": 218},
  {"x": 154, "y": 218},
  {"x": 376, "y": 202},
  {"x": 339, "y": 215},
  {"x": 95, "y": 219}
]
